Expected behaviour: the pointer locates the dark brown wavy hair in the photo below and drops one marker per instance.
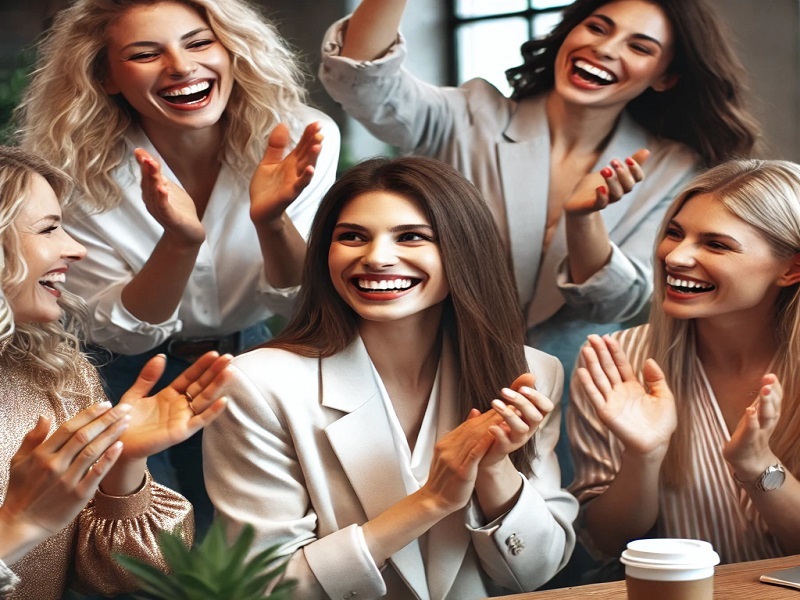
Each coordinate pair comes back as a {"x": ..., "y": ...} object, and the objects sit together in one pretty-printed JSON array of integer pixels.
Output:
[
  {"x": 481, "y": 315},
  {"x": 705, "y": 109}
]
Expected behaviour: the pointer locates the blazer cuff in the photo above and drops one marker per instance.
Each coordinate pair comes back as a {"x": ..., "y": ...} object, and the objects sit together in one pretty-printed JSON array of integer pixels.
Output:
[{"x": 348, "y": 71}]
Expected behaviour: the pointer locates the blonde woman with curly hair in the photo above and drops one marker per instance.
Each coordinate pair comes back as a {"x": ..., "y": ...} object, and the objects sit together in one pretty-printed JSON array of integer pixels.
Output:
[
  {"x": 62, "y": 445},
  {"x": 195, "y": 246},
  {"x": 688, "y": 426}
]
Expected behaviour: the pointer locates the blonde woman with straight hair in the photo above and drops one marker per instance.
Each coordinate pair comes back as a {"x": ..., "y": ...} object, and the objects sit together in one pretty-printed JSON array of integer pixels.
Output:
[
  {"x": 688, "y": 426},
  {"x": 197, "y": 245},
  {"x": 73, "y": 482}
]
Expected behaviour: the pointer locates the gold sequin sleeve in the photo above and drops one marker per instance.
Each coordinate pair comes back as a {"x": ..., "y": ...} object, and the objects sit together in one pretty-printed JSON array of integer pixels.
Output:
[{"x": 126, "y": 525}]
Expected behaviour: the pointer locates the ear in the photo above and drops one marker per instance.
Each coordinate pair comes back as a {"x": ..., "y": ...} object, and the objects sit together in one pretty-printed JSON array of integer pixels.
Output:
[
  {"x": 792, "y": 274},
  {"x": 667, "y": 81}
]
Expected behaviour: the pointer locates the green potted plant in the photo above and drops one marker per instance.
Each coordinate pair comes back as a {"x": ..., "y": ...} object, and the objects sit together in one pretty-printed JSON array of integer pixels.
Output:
[{"x": 212, "y": 569}]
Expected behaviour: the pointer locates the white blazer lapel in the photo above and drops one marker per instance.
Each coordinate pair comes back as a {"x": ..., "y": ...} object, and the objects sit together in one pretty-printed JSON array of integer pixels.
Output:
[
  {"x": 525, "y": 170},
  {"x": 362, "y": 441},
  {"x": 449, "y": 539}
]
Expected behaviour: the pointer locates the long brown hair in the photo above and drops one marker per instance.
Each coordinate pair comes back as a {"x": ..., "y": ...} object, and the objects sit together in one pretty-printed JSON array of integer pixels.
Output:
[
  {"x": 705, "y": 109},
  {"x": 481, "y": 315},
  {"x": 765, "y": 194}
]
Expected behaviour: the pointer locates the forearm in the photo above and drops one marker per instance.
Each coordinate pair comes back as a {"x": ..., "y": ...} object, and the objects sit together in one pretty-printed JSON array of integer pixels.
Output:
[
  {"x": 16, "y": 539},
  {"x": 401, "y": 524},
  {"x": 588, "y": 245},
  {"x": 628, "y": 509},
  {"x": 497, "y": 489},
  {"x": 372, "y": 29},
  {"x": 124, "y": 478},
  {"x": 283, "y": 250},
  {"x": 156, "y": 291}
]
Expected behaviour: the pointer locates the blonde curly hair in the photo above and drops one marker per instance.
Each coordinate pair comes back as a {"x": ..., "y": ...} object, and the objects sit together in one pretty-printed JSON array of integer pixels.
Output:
[
  {"x": 67, "y": 117},
  {"x": 53, "y": 349}
]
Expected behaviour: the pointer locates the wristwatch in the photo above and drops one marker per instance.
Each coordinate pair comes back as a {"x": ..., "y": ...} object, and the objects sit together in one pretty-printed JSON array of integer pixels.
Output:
[{"x": 771, "y": 479}]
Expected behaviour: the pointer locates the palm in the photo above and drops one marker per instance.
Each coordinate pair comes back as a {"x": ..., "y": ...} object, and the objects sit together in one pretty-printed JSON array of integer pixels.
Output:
[{"x": 279, "y": 179}]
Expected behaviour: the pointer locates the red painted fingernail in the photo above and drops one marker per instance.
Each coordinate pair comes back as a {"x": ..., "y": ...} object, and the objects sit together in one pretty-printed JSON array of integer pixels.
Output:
[
  {"x": 602, "y": 189},
  {"x": 606, "y": 172},
  {"x": 616, "y": 164},
  {"x": 630, "y": 161}
]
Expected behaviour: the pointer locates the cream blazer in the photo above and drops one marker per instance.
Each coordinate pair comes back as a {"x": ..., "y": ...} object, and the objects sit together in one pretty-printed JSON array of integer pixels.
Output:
[{"x": 304, "y": 452}]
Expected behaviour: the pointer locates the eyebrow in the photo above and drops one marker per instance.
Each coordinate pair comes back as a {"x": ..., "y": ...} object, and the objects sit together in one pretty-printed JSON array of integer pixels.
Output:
[
  {"x": 184, "y": 37},
  {"x": 639, "y": 36},
  {"x": 395, "y": 229}
]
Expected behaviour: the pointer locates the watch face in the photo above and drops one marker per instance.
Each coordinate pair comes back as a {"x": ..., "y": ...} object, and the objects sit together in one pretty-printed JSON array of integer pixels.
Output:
[{"x": 772, "y": 478}]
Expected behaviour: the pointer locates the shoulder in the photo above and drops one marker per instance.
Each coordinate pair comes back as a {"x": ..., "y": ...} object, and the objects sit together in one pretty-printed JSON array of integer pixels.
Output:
[
  {"x": 487, "y": 101},
  {"x": 271, "y": 368}
]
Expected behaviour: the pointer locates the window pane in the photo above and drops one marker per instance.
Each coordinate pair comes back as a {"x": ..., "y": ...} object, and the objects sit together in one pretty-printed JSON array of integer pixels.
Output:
[
  {"x": 549, "y": 3},
  {"x": 488, "y": 48},
  {"x": 544, "y": 23},
  {"x": 479, "y": 8}
]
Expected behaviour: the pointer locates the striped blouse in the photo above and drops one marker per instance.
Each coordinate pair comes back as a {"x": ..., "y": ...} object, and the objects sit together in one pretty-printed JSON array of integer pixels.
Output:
[{"x": 710, "y": 506}]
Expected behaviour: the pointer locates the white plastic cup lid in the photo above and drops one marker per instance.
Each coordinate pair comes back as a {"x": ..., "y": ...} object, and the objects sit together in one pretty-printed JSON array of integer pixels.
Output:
[{"x": 670, "y": 553}]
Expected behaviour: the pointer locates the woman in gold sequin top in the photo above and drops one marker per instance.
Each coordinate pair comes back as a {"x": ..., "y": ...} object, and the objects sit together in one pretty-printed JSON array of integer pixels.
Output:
[{"x": 73, "y": 499}]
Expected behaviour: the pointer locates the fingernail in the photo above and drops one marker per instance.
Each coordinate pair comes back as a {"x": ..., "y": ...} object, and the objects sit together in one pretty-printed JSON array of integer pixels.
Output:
[
  {"x": 498, "y": 404},
  {"x": 526, "y": 390},
  {"x": 508, "y": 393},
  {"x": 630, "y": 161},
  {"x": 104, "y": 404},
  {"x": 616, "y": 164},
  {"x": 602, "y": 190},
  {"x": 606, "y": 172}
]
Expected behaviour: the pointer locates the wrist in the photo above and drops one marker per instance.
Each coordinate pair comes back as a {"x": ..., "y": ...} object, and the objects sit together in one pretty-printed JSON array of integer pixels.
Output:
[
  {"x": 125, "y": 477},
  {"x": 271, "y": 225},
  {"x": 17, "y": 537},
  {"x": 180, "y": 244},
  {"x": 747, "y": 471}
]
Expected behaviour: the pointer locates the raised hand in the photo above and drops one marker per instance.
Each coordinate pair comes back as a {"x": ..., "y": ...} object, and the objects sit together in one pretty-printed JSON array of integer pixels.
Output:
[
  {"x": 280, "y": 177},
  {"x": 597, "y": 190},
  {"x": 522, "y": 410},
  {"x": 52, "y": 479},
  {"x": 168, "y": 203},
  {"x": 192, "y": 401},
  {"x": 643, "y": 420},
  {"x": 748, "y": 450}
]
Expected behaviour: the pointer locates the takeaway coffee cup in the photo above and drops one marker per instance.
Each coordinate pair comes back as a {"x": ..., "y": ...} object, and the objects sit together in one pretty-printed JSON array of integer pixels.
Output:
[{"x": 669, "y": 569}]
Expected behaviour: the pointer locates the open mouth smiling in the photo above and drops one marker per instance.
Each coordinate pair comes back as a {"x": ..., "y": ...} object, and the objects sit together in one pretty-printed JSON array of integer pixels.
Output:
[
  {"x": 49, "y": 279},
  {"x": 589, "y": 72},
  {"x": 189, "y": 94},
  {"x": 396, "y": 284},
  {"x": 685, "y": 286}
]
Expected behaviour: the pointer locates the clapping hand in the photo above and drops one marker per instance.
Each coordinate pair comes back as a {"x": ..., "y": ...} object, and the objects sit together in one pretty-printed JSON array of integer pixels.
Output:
[
  {"x": 168, "y": 203},
  {"x": 748, "y": 451},
  {"x": 597, "y": 190},
  {"x": 643, "y": 420},
  {"x": 280, "y": 177},
  {"x": 189, "y": 403},
  {"x": 52, "y": 479}
]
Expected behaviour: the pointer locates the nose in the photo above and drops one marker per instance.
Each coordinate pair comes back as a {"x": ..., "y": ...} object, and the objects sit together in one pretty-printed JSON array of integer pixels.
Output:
[
  {"x": 606, "y": 47},
  {"x": 180, "y": 64},
  {"x": 681, "y": 256},
  {"x": 73, "y": 250},
  {"x": 380, "y": 253}
]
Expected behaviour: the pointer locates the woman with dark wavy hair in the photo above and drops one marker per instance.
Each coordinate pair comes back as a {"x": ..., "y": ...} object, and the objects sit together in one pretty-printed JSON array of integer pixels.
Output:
[
  {"x": 614, "y": 77},
  {"x": 398, "y": 430}
]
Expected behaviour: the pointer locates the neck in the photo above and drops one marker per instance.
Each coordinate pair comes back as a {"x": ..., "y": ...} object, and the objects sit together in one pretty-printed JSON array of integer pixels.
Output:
[
  {"x": 187, "y": 152},
  {"x": 575, "y": 128},
  {"x": 736, "y": 346},
  {"x": 405, "y": 352}
]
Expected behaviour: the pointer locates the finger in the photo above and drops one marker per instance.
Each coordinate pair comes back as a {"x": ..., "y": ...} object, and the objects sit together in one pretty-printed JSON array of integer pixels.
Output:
[
  {"x": 207, "y": 415},
  {"x": 641, "y": 156},
  {"x": 90, "y": 453},
  {"x": 605, "y": 360},
  {"x": 615, "y": 190},
  {"x": 526, "y": 403},
  {"x": 624, "y": 175},
  {"x": 68, "y": 428},
  {"x": 149, "y": 375},
  {"x": 620, "y": 359},
  {"x": 594, "y": 395},
  {"x": 542, "y": 403},
  {"x": 635, "y": 169},
  {"x": 594, "y": 370},
  {"x": 277, "y": 142},
  {"x": 473, "y": 413},
  {"x": 601, "y": 198},
  {"x": 655, "y": 380},
  {"x": 311, "y": 137},
  {"x": 91, "y": 480},
  {"x": 515, "y": 422},
  {"x": 304, "y": 179},
  {"x": 212, "y": 367}
]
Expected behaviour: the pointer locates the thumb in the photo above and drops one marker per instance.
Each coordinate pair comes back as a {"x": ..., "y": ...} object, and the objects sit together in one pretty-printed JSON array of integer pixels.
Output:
[
  {"x": 149, "y": 375},
  {"x": 276, "y": 144},
  {"x": 641, "y": 155},
  {"x": 655, "y": 379},
  {"x": 526, "y": 379},
  {"x": 34, "y": 437}
]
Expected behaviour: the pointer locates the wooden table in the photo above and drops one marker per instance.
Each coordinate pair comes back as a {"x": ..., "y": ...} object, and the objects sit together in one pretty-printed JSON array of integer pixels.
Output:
[{"x": 730, "y": 582}]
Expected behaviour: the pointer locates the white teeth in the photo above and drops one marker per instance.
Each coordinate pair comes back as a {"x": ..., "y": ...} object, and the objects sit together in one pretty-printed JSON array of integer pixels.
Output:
[
  {"x": 189, "y": 89},
  {"x": 384, "y": 284},
  {"x": 596, "y": 71},
  {"x": 53, "y": 278},
  {"x": 675, "y": 282}
]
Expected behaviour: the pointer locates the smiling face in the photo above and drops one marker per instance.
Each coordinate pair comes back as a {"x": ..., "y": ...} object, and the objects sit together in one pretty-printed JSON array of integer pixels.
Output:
[
  {"x": 716, "y": 265},
  {"x": 47, "y": 250},
  {"x": 384, "y": 259},
  {"x": 167, "y": 63},
  {"x": 619, "y": 51}
]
